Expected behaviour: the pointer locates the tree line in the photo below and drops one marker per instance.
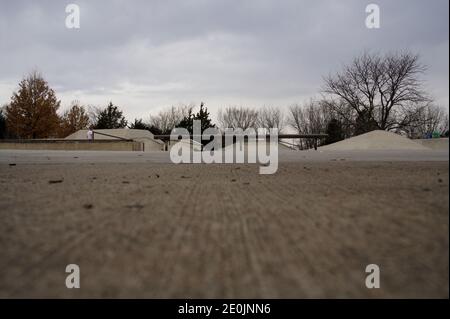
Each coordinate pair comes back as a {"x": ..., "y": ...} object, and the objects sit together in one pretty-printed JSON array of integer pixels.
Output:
[{"x": 374, "y": 91}]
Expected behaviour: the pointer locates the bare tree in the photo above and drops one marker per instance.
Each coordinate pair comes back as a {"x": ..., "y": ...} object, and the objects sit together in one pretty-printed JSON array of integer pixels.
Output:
[
  {"x": 427, "y": 120},
  {"x": 381, "y": 90},
  {"x": 444, "y": 126},
  {"x": 238, "y": 117},
  {"x": 309, "y": 118},
  {"x": 168, "y": 119},
  {"x": 93, "y": 112},
  {"x": 271, "y": 117},
  {"x": 339, "y": 109}
]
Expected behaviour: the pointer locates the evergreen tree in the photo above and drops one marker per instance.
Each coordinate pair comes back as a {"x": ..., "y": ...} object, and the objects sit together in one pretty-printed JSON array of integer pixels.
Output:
[
  {"x": 110, "y": 118},
  {"x": 202, "y": 115},
  {"x": 187, "y": 122},
  {"x": 334, "y": 131},
  {"x": 2, "y": 124},
  {"x": 140, "y": 125},
  {"x": 365, "y": 123}
]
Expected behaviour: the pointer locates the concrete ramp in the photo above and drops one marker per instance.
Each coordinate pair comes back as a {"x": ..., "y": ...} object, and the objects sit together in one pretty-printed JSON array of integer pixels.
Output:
[
  {"x": 375, "y": 140},
  {"x": 434, "y": 143},
  {"x": 143, "y": 136}
]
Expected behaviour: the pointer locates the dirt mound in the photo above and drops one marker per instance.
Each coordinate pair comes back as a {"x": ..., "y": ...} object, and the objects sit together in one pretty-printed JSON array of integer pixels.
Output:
[{"x": 375, "y": 140}]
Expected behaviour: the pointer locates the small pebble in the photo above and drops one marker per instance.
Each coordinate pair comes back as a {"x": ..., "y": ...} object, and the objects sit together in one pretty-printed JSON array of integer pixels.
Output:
[{"x": 55, "y": 181}]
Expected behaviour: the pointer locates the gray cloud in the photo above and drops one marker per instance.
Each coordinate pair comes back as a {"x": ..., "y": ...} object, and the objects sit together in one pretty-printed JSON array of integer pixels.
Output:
[{"x": 145, "y": 55}]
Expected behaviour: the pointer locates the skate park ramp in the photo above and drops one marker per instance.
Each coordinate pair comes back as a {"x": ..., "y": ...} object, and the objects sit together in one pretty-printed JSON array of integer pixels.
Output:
[
  {"x": 143, "y": 136},
  {"x": 440, "y": 144},
  {"x": 375, "y": 140}
]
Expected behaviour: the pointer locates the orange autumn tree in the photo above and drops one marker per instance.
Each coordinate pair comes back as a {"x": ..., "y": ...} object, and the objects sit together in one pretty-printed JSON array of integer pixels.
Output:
[
  {"x": 74, "y": 119},
  {"x": 32, "y": 112}
]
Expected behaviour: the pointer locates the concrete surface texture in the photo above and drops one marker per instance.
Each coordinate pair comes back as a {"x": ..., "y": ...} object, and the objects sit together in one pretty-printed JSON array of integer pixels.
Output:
[
  {"x": 52, "y": 157},
  {"x": 375, "y": 140},
  {"x": 434, "y": 143},
  {"x": 185, "y": 144},
  {"x": 147, "y": 229},
  {"x": 253, "y": 146},
  {"x": 62, "y": 145}
]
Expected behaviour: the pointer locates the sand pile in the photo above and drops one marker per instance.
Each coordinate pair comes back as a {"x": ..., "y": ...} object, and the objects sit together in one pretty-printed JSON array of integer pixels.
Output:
[{"x": 375, "y": 140}]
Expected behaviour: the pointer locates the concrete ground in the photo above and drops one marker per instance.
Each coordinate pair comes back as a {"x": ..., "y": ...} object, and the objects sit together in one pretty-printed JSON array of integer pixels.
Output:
[
  {"x": 52, "y": 157},
  {"x": 141, "y": 227}
]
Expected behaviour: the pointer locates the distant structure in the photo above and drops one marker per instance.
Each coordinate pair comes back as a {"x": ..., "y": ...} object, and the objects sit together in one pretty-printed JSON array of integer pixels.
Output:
[{"x": 142, "y": 136}]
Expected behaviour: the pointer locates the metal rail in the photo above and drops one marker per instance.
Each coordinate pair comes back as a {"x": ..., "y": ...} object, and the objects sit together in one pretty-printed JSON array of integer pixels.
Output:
[
  {"x": 113, "y": 136},
  {"x": 315, "y": 137},
  {"x": 57, "y": 140},
  {"x": 166, "y": 137}
]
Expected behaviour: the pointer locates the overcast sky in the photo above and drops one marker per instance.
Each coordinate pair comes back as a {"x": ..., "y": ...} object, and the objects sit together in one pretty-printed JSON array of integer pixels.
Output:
[{"x": 147, "y": 55}]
